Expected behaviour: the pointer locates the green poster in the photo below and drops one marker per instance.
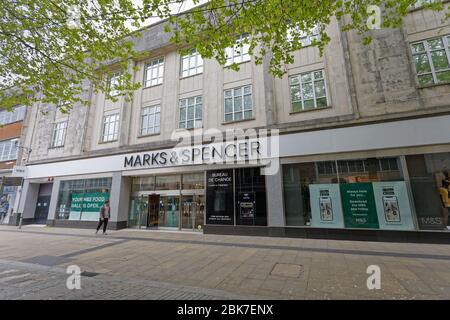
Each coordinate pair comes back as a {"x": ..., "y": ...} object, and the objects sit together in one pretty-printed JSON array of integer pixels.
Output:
[
  {"x": 87, "y": 205},
  {"x": 358, "y": 204}
]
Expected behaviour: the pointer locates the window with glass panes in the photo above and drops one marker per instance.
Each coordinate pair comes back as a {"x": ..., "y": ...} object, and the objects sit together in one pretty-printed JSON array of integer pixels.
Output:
[
  {"x": 17, "y": 114},
  {"x": 306, "y": 38},
  {"x": 421, "y": 3},
  {"x": 59, "y": 134},
  {"x": 239, "y": 52},
  {"x": 308, "y": 91},
  {"x": 150, "y": 120},
  {"x": 110, "y": 127},
  {"x": 238, "y": 104},
  {"x": 191, "y": 64},
  {"x": 8, "y": 150},
  {"x": 154, "y": 72},
  {"x": 113, "y": 82},
  {"x": 432, "y": 60},
  {"x": 191, "y": 112}
]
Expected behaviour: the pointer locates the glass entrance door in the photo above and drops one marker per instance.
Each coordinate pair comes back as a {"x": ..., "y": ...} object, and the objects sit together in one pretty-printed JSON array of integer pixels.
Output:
[
  {"x": 193, "y": 212},
  {"x": 153, "y": 211},
  {"x": 169, "y": 211}
]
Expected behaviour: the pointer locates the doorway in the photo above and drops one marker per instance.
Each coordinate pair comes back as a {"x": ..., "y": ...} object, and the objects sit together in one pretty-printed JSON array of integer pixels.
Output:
[{"x": 43, "y": 203}]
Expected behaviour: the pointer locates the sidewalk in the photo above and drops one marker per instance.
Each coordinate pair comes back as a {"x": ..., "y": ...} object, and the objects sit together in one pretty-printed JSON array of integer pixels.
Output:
[{"x": 277, "y": 268}]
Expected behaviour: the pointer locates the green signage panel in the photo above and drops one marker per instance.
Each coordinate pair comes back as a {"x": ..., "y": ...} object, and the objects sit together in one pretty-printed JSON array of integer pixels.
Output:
[
  {"x": 359, "y": 207},
  {"x": 86, "y": 206}
]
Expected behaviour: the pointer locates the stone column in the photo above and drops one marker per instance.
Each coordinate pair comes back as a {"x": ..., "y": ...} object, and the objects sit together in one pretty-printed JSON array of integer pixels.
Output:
[
  {"x": 275, "y": 205},
  {"x": 27, "y": 205},
  {"x": 53, "y": 202},
  {"x": 119, "y": 200}
]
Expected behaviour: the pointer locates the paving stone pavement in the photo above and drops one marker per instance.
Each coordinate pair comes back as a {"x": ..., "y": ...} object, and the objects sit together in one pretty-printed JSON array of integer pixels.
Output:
[
  {"x": 133, "y": 264},
  {"x": 20, "y": 280}
]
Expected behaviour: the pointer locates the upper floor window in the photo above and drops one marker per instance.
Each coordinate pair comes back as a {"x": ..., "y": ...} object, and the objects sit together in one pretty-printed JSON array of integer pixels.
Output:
[
  {"x": 308, "y": 91},
  {"x": 150, "y": 120},
  {"x": 191, "y": 113},
  {"x": 432, "y": 60},
  {"x": 306, "y": 38},
  {"x": 59, "y": 134},
  {"x": 421, "y": 3},
  {"x": 110, "y": 128},
  {"x": 17, "y": 114},
  {"x": 239, "y": 52},
  {"x": 154, "y": 72},
  {"x": 238, "y": 104},
  {"x": 8, "y": 150},
  {"x": 191, "y": 64},
  {"x": 113, "y": 82}
]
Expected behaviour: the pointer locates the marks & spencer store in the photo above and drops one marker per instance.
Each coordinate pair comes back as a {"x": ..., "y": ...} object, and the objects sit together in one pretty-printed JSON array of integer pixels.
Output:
[{"x": 383, "y": 181}]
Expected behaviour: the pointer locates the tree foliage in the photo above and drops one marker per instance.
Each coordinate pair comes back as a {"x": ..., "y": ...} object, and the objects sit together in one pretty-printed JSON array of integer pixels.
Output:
[{"x": 50, "y": 49}]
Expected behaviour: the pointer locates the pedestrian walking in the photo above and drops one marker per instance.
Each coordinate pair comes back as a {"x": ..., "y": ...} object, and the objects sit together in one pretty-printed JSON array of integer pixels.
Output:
[{"x": 104, "y": 217}]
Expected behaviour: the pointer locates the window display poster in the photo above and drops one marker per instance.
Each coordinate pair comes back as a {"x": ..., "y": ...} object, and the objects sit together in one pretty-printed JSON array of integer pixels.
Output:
[
  {"x": 88, "y": 205},
  {"x": 326, "y": 207},
  {"x": 246, "y": 204},
  {"x": 393, "y": 207},
  {"x": 219, "y": 197},
  {"x": 358, "y": 205}
]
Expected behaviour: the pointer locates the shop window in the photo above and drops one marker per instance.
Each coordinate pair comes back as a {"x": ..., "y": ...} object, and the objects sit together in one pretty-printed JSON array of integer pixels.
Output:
[
  {"x": 193, "y": 181},
  {"x": 429, "y": 184},
  {"x": 82, "y": 199},
  {"x": 357, "y": 193},
  {"x": 250, "y": 195},
  {"x": 169, "y": 182}
]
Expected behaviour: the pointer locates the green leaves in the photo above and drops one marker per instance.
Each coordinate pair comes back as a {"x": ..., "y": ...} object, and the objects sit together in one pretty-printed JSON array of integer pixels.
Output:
[{"x": 50, "y": 50}]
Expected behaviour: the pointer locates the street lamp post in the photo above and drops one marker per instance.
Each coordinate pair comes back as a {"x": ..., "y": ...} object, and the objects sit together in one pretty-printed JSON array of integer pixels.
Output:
[{"x": 28, "y": 150}]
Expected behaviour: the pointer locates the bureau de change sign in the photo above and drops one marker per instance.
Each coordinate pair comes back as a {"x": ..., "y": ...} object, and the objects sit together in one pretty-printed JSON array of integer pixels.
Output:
[{"x": 358, "y": 204}]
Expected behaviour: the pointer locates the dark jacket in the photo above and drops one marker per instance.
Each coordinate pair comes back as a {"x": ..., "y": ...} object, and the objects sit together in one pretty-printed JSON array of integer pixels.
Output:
[{"x": 105, "y": 214}]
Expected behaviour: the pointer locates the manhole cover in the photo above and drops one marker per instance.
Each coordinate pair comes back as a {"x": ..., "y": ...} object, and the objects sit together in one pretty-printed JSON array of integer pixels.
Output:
[
  {"x": 89, "y": 274},
  {"x": 287, "y": 270}
]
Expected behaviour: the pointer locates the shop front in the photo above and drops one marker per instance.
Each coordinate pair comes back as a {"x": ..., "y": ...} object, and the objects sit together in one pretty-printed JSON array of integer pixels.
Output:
[
  {"x": 175, "y": 201},
  {"x": 368, "y": 182}
]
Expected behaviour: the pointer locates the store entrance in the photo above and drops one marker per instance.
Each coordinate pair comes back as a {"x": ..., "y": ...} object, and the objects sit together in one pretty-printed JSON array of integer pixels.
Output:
[{"x": 169, "y": 210}]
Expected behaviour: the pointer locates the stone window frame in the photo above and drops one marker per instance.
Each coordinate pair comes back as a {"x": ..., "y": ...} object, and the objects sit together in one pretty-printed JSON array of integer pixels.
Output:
[
  {"x": 191, "y": 64},
  {"x": 8, "y": 149},
  {"x": 150, "y": 78},
  {"x": 196, "y": 119},
  {"x": 234, "y": 55},
  {"x": 231, "y": 94},
  {"x": 59, "y": 134},
  {"x": 15, "y": 115},
  {"x": 107, "y": 136},
  {"x": 428, "y": 52},
  {"x": 113, "y": 81},
  {"x": 150, "y": 112},
  {"x": 296, "y": 81}
]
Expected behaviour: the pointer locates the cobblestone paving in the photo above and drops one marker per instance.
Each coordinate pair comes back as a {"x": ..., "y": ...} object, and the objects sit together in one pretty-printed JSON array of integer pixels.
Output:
[
  {"x": 135, "y": 264},
  {"x": 29, "y": 281}
]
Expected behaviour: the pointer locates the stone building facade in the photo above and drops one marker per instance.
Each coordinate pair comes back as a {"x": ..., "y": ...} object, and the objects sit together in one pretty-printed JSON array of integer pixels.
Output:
[{"x": 370, "y": 122}]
